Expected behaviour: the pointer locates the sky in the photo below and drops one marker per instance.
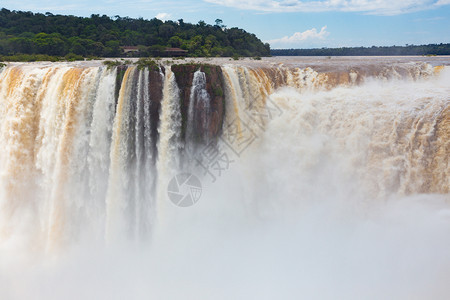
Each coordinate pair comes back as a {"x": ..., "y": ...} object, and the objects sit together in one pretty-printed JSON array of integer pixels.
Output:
[{"x": 284, "y": 23}]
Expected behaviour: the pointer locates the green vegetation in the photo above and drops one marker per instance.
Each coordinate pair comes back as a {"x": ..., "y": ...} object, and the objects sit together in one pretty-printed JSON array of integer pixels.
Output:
[
  {"x": 73, "y": 57},
  {"x": 428, "y": 50},
  {"x": 141, "y": 64},
  {"x": 113, "y": 63},
  {"x": 44, "y": 57},
  {"x": 218, "y": 92},
  {"x": 148, "y": 63},
  {"x": 56, "y": 36},
  {"x": 31, "y": 57}
]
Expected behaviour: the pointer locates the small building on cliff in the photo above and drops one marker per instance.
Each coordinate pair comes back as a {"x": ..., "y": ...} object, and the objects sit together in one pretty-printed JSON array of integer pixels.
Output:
[
  {"x": 175, "y": 52},
  {"x": 130, "y": 49}
]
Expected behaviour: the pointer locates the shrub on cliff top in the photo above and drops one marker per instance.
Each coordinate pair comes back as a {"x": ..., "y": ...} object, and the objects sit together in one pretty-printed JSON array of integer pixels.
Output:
[{"x": 149, "y": 63}]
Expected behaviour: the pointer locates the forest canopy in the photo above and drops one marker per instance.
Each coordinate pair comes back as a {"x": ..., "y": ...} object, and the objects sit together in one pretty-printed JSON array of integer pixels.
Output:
[
  {"x": 431, "y": 49},
  {"x": 103, "y": 36}
]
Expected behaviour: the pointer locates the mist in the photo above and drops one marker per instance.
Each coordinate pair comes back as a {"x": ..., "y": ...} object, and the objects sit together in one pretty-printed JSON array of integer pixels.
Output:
[{"x": 341, "y": 194}]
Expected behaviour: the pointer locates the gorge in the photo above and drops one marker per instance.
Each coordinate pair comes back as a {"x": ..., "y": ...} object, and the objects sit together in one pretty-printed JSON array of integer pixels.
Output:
[{"x": 324, "y": 160}]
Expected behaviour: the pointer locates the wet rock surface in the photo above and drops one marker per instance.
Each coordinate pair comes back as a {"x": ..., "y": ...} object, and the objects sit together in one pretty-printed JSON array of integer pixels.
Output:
[{"x": 212, "y": 115}]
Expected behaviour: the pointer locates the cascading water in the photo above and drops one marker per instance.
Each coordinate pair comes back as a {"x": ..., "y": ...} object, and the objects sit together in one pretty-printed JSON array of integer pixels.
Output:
[
  {"x": 199, "y": 109},
  {"x": 315, "y": 182},
  {"x": 169, "y": 143}
]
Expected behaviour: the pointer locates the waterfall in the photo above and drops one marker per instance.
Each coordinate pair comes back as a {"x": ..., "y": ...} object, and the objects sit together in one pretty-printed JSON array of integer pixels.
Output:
[
  {"x": 120, "y": 177},
  {"x": 143, "y": 157},
  {"x": 169, "y": 144},
  {"x": 99, "y": 148},
  {"x": 322, "y": 163},
  {"x": 77, "y": 153},
  {"x": 199, "y": 109}
]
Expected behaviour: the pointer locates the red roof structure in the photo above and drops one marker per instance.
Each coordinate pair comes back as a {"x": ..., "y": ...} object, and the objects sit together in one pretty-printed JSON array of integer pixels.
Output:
[
  {"x": 176, "y": 52},
  {"x": 127, "y": 49}
]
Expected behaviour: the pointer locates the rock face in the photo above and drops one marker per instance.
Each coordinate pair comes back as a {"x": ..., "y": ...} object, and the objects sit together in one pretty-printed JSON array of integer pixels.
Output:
[
  {"x": 209, "y": 118},
  {"x": 155, "y": 87},
  {"x": 201, "y": 122},
  {"x": 119, "y": 78}
]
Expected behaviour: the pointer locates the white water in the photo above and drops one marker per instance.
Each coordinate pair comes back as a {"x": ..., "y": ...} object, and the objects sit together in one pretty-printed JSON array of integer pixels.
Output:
[
  {"x": 198, "y": 94},
  {"x": 325, "y": 203}
]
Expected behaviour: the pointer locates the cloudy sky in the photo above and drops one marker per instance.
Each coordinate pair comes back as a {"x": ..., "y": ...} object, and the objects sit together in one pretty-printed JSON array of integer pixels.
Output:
[{"x": 284, "y": 23}]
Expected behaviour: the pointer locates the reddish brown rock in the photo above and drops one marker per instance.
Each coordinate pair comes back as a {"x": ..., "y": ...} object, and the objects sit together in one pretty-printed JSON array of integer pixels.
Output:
[
  {"x": 155, "y": 87},
  {"x": 184, "y": 75}
]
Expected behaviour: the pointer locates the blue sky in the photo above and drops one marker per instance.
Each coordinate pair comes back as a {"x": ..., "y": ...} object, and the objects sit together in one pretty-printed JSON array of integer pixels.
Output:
[{"x": 284, "y": 23}]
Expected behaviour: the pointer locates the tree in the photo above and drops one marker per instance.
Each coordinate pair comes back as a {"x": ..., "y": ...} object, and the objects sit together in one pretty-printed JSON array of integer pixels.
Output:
[
  {"x": 51, "y": 44},
  {"x": 175, "y": 41},
  {"x": 29, "y": 33},
  {"x": 166, "y": 31}
]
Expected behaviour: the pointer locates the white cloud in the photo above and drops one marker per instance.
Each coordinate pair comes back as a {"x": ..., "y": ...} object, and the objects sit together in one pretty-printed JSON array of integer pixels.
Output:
[
  {"x": 442, "y": 2},
  {"x": 378, "y": 7},
  {"x": 429, "y": 19},
  {"x": 298, "y": 37},
  {"x": 163, "y": 16}
]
